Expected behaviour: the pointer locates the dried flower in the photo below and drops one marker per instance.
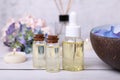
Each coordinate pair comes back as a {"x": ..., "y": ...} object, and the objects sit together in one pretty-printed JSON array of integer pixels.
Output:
[{"x": 19, "y": 34}]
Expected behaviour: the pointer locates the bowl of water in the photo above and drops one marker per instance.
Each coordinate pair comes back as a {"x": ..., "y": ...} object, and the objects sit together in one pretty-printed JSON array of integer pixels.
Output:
[{"x": 105, "y": 41}]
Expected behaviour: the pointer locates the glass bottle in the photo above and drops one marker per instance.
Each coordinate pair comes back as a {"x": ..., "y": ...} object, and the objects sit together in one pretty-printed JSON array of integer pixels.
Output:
[
  {"x": 72, "y": 47},
  {"x": 52, "y": 54},
  {"x": 61, "y": 27},
  {"x": 39, "y": 51}
]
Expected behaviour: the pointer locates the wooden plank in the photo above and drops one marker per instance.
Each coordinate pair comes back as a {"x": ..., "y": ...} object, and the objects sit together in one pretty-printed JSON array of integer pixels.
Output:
[
  {"x": 62, "y": 75},
  {"x": 90, "y": 63}
]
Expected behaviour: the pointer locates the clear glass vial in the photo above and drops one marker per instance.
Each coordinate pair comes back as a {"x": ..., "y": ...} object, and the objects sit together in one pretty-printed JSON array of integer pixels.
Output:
[
  {"x": 52, "y": 54},
  {"x": 39, "y": 51}
]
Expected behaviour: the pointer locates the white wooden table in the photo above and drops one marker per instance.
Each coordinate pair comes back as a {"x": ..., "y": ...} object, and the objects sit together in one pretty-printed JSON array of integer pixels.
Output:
[{"x": 95, "y": 69}]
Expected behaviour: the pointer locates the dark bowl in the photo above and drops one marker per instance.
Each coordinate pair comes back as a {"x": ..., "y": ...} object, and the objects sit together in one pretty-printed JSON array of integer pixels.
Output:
[{"x": 107, "y": 48}]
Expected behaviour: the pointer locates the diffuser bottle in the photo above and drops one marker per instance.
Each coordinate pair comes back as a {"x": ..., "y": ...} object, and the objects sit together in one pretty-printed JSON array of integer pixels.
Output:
[
  {"x": 72, "y": 46},
  {"x": 39, "y": 51},
  {"x": 52, "y": 54},
  {"x": 61, "y": 27}
]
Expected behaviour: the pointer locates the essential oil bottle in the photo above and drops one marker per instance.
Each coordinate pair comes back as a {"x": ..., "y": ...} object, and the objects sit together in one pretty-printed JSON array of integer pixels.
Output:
[
  {"x": 72, "y": 47},
  {"x": 39, "y": 51},
  {"x": 52, "y": 54}
]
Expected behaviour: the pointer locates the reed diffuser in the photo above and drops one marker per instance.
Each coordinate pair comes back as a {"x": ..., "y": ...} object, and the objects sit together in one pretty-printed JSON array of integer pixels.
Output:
[
  {"x": 63, "y": 18},
  {"x": 61, "y": 8}
]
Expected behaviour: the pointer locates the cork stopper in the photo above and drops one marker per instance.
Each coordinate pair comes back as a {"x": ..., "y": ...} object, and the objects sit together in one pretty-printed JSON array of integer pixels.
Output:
[
  {"x": 39, "y": 37},
  {"x": 52, "y": 39}
]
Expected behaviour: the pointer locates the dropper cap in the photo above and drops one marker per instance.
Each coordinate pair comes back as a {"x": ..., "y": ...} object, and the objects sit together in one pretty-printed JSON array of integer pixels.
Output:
[{"x": 73, "y": 30}]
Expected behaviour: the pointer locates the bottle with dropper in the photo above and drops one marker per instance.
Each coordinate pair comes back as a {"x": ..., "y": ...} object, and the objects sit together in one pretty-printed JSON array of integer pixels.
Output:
[{"x": 73, "y": 46}]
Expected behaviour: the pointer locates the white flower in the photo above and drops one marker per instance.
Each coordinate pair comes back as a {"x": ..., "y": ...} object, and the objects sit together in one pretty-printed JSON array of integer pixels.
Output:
[
  {"x": 17, "y": 25},
  {"x": 46, "y": 30},
  {"x": 38, "y": 22},
  {"x": 27, "y": 20}
]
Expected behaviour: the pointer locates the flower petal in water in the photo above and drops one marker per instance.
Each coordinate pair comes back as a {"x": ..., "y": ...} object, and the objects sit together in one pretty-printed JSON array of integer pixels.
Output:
[
  {"x": 107, "y": 33},
  {"x": 110, "y": 33}
]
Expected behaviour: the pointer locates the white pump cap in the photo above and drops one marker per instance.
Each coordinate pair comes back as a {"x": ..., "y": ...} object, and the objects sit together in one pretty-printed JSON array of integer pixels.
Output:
[{"x": 72, "y": 29}]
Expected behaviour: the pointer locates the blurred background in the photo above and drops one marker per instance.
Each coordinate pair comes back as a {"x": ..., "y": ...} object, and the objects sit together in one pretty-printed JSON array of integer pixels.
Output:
[{"x": 91, "y": 13}]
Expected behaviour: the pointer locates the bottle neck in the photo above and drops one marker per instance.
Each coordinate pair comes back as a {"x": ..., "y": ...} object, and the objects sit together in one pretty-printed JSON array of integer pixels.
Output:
[
  {"x": 64, "y": 23},
  {"x": 39, "y": 42},
  {"x": 73, "y": 39},
  {"x": 52, "y": 44}
]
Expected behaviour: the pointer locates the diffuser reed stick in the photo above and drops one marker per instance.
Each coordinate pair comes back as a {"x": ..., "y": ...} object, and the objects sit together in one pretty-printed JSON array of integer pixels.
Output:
[
  {"x": 57, "y": 6},
  {"x": 69, "y": 6},
  {"x": 60, "y": 7}
]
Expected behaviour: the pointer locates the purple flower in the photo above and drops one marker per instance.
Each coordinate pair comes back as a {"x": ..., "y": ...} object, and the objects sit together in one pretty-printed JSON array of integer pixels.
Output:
[
  {"x": 21, "y": 40},
  {"x": 21, "y": 27},
  {"x": 11, "y": 29},
  {"x": 29, "y": 28}
]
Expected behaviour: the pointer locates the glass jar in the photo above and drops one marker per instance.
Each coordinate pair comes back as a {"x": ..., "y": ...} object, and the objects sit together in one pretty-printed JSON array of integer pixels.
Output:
[
  {"x": 39, "y": 51},
  {"x": 61, "y": 27},
  {"x": 52, "y": 54}
]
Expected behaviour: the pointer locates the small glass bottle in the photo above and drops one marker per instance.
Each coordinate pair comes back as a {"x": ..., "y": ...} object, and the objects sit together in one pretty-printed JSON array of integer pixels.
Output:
[
  {"x": 52, "y": 54},
  {"x": 39, "y": 51},
  {"x": 73, "y": 47}
]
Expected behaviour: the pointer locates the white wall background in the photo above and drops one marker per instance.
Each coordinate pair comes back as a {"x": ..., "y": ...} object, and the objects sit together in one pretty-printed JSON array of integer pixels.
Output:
[{"x": 91, "y": 12}]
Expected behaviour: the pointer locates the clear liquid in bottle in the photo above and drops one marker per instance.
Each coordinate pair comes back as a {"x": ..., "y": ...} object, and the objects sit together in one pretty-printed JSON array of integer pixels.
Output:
[
  {"x": 39, "y": 56},
  {"x": 73, "y": 56},
  {"x": 52, "y": 59}
]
